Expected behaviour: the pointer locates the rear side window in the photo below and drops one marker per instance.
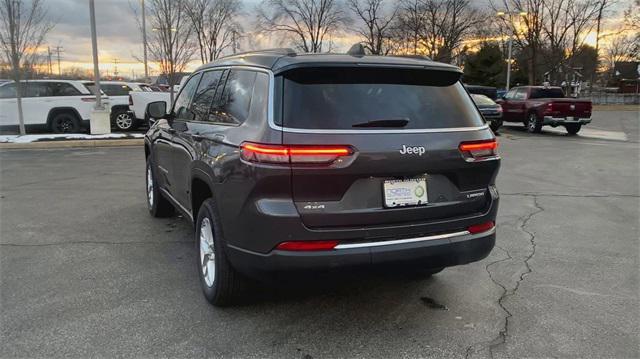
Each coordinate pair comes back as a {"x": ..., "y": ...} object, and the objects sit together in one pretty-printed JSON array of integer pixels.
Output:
[
  {"x": 115, "y": 89},
  {"x": 38, "y": 89},
  {"x": 205, "y": 95},
  {"x": 347, "y": 98},
  {"x": 61, "y": 89},
  {"x": 235, "y": 103},
  {"x": 8, "y": 91},
  {"x": 547, "y": 93}
]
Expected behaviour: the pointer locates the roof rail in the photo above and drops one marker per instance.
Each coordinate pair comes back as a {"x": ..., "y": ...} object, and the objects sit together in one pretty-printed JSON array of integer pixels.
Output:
[
  {"x": 285, "y": 51},
  {"x": 418, "y": 57}
]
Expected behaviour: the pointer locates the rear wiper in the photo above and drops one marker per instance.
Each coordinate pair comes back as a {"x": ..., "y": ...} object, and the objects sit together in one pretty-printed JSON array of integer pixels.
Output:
[{"x": 391, "y": 122}]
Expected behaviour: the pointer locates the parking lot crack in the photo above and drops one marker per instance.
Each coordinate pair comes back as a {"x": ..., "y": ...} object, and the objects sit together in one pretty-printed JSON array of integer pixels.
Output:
[{"x": 502, "y": 335}]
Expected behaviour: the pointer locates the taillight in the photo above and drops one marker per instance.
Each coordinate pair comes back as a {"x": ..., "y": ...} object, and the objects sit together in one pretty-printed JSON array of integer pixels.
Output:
[
  {"x": 477, "y": 150},
  {"x": 294, "y": 154},
  {"x": 549, "y": 108},
  {"x": 499, "y": 109},
  {"x": 307, "y": 245},
  {"x": 482, "y": 227},
  {"x": 130, "y": 101},
  {"x": 88, "y": 99}
]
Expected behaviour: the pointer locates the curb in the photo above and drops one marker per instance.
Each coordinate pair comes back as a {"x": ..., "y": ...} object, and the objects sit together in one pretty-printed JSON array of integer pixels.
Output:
[{"x": 74, "y": 144}]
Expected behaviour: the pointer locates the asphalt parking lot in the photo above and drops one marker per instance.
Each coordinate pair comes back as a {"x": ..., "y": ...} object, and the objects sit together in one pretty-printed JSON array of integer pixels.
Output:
[{"x": 85, "y": 271}]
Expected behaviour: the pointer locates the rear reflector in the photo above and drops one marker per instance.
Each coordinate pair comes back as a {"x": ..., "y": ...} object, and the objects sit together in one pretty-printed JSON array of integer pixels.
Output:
[
  {"x": 479, "y": 149},
  {"x": 307, "y": 245},
  {"x": 296, "y": 154},
  {"x": 479, "y": 228}
]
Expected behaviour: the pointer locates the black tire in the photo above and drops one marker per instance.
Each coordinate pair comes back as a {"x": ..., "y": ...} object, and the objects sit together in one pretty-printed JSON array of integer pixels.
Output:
[
  {"x": 417, "y": 272},
  {"x": 157, "y": 204},
  {"x": 428, "y": 272},
  {"x": 228, "y": 286},
  {"x": 534, "y": 125},
  {"x": 573, "y": 128},
  {"x": 495, "y": 125},
  {"x": 123, "y": 120},
  {"x": 65, "y": 122}
]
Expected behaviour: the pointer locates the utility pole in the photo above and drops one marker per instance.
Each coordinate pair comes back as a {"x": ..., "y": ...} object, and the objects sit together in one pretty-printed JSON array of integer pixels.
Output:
[
  {"x": 115, "y": 69},
  {"x": 49, "y": 59},
  {"x": 234, "y": 41},
  {"x": 144, "y": 42},
  {"x": 58, "y": 50}
]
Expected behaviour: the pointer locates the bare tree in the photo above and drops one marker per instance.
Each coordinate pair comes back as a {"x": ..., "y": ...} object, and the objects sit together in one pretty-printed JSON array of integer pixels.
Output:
[
  {"x": 308, "y": 23},
  {"x": 170, "y": 42},
  {"x": 448, "y": 23},
  {"x": 409, "y": 27},
  {"x": 214, "y": 23},
  {"x": 377, "y": 21},
  {"x": 22, "y": 30}
]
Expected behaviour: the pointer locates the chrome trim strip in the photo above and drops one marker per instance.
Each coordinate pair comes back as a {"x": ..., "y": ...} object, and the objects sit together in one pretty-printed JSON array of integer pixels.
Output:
[
  {"x": 383, "y": 132},
  {"x": 175, "y": 202},
  {"x": 414, "y": 240}
]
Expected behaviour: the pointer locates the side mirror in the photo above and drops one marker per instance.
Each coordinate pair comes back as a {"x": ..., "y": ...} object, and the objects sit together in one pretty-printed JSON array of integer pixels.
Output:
[{"x": 157, "y": 109}]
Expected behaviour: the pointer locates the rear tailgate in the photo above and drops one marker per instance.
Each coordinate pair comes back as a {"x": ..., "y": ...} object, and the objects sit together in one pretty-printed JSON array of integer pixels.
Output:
[
  {"x": 320, "y": 107},
  {"x": 570, "y": 107}
]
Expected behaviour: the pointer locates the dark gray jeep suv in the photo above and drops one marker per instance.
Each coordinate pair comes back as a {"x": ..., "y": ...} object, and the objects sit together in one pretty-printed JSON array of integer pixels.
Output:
[{"x": 295, "y": 162}]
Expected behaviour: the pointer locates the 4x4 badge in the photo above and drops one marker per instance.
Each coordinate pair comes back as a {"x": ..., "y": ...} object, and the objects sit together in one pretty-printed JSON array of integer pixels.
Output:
[{"x": 415, "y": 150}]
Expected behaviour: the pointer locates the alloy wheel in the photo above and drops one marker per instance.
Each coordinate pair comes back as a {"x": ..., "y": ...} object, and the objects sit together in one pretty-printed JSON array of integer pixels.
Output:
[
  {"x": 124, "y": 121},
  {"x": 207, "y": 252}
]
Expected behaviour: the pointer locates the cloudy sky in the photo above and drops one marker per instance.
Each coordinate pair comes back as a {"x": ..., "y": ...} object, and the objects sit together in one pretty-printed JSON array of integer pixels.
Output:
[{"x": 118, "y": 35}]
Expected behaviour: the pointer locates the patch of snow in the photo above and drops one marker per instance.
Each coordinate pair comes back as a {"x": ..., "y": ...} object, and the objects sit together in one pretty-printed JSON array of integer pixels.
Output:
[{"x": 62, "y": 137}]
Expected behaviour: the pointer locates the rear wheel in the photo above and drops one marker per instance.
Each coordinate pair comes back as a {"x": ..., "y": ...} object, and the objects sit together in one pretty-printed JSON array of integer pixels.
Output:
[
  {"x": 65, "y": 122},
  {"x": 495, "y": 125},
  {"x": 221, "y": 284},
  {"x": 123, "y": 120},
  {"x": 157, "y": 204},
  {"x": 573, "y": 128},
  {"x": 534, "y": 125}
]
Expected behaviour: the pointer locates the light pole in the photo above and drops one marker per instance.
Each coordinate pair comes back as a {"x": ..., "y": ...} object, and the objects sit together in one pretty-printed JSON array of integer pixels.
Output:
[
  {"x": 94, "y": 48},
  {"x": 99, "y": 121},
  {"x": 144, "y": 40},
  {"x": 510, "y": 46}
]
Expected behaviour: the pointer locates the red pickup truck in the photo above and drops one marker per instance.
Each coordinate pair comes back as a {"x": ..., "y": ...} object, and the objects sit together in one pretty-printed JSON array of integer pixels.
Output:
[{"x": 537, "y": 106}]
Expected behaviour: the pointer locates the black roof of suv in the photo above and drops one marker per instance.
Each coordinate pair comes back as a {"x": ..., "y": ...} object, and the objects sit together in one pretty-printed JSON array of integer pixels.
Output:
[
  {"x": 279, "y": 60},
  {"x": 294, "y": 163}
]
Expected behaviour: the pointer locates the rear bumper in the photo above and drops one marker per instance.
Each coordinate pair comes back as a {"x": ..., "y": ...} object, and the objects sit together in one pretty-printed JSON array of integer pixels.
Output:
[
  {"x": 439, "y": 252},
  {"x": 559, "y": 121}
]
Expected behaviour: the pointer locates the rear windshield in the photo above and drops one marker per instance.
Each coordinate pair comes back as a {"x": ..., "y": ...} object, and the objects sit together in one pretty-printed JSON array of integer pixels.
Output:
[
  {"x": 546, "y": 93},
  {"x": 347, "y": 98}
]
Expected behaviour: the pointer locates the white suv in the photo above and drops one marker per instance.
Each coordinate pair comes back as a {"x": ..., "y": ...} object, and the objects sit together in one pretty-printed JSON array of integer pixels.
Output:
[
  {"x": 118, "y": 91},
  {"x": 59, "y": 106}
]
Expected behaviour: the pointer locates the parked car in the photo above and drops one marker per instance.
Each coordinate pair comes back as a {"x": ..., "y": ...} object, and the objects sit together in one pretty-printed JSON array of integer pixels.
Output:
[
  {"x": 59, "y": 106},
  {"x": 490, "y": 92},
  {"x": 491, "y": 111},
  {"x": 138, "y": 102},
  {"x": 118, "y": 91},
  {"x": 312, "y": 162},
  {"x": 538, "y": 106}
]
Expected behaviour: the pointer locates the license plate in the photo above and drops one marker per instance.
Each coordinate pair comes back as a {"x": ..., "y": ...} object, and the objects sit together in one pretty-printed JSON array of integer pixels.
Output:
[{"x": 409, "y": 192}]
